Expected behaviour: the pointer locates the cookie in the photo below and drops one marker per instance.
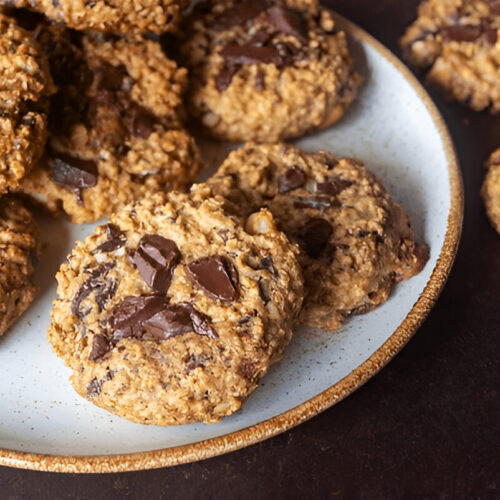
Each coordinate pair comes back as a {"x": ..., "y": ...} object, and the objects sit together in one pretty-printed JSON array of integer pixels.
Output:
[
  {"x": 172, "y": 312},
  {"x": 131, "y": 17},
  {"x": 458, "y": 41},
  {"x": 263, "y": 71},
  {"x": 25, "y": 84},
  {"x": 19, "y": 245},
  {"x": 356, "y": 241},
  {"x": 491, "y": 190},
  {"x": 115, "y": 128}
]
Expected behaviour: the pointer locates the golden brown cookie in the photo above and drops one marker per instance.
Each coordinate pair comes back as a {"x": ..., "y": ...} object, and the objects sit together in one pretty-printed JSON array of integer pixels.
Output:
[
  {"x": 491, "y": 189},
  {"x": 356, "y": 242},
  {"x": 19, "y": 245},
  {"x": 115, "y": 131},
  {"x": 173, "y": 312},
  {"x": 458, "y": 41},
  {"x": 263, "y": 71}
]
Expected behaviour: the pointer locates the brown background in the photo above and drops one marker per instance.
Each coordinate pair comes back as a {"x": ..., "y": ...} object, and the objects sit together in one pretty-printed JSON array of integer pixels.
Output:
[{"x": 426, "y": 427}]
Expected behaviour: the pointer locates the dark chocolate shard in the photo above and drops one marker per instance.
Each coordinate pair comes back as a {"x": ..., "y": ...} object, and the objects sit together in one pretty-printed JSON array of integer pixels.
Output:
[
  {"x": 250, "y": 54},
  {"x": 74, "y": 174},
  {"x": 288, "y": 21},
  {"x": 333, "y": 187},
  {"x": 314, "y": 237},
  {"x": 216, "y": 276},
  {"x": 100, "y": 346},
  {"x": 316, "y": 202},
  {"x": 293, "y": 178},
  {"x": 156, "y": 258},
  {"x": 240, "y": 14},
  {"x": 225, "y": 77},
  {"x": 128, "y": 317},
  {"x": 462, "y": 33},
  {"x": 141, "y": 121},
  {"x": 268, "y": 264},
  {"x": 116, "y": 240}
]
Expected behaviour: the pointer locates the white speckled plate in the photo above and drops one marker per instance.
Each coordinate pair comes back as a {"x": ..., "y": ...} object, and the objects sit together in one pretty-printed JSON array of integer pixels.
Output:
[{"x": 396, "y": 129}]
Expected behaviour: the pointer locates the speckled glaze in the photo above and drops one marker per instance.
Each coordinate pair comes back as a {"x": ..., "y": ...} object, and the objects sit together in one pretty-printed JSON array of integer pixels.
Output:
[{"x": 397, "y": 130}]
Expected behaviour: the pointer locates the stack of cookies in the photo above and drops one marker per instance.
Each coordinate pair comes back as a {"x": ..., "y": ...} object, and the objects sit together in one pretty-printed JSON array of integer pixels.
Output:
[{"x": 176, "y": 307}]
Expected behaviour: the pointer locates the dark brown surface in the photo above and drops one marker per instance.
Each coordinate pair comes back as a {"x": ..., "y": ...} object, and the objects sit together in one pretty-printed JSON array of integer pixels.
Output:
[{"x": 426, "y": 427}]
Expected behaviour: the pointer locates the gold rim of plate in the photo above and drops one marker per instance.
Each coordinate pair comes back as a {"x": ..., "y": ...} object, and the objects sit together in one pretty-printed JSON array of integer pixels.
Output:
[{"x": 264, "y": 430}]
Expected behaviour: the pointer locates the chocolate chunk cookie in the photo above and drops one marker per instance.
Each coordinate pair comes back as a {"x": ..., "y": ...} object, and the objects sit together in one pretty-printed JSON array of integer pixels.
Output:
[
  {"x": 115, "y": 125},
  {"x": 25, "y": 84},
  {"x": 264, "y": 71},
  {"x": 120, "y": 16},
  {"x": 19, "y": 244},
  {"x": 173, "y": 311},
  {"x": 491, "y": 189},
  {"x": 356, "y": 241},
  {"x": 458, "y": 41}
]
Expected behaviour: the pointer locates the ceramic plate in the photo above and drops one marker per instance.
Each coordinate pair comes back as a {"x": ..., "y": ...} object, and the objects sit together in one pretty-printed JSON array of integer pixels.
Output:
[{"x": 397, "y": 130}]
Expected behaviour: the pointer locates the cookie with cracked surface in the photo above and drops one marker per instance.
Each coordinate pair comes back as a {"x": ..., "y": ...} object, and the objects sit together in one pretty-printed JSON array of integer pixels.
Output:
[
  {"x": 458, "y": 41},
  {"x": 25, "y": 84},
  {"x": 356, "y": 241},
  {"x": 263, "y": 71},
  {"x": 115, "y": 128},
  {"x": 19, "y": 245},
  {"x": 131, "y": 17},
  {"x": 491, "y": 189},
  {"x": 173, "y": 312}
]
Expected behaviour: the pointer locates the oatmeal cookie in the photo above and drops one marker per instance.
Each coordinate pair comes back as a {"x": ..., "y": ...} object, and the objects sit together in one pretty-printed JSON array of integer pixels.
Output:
[
  {"x": 120, "y": 16},
  {"x": 172, "y": 312},
  {"x": 263, "y": 71},
  {"x": 115, "y": 125},
  {"x": 19, "y": 244},
  {"x": 25, "y": 84},
  {"x": 356, "y": 241},
  {"x": 458, "y": 41},
  {"x": 491, "y": 189}
]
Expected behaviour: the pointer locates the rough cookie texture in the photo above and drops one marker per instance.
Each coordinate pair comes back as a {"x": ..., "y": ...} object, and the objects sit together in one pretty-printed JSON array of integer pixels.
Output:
[
  {"x": 121, "y": 16},
  {"x": 19, "y": 246},
  {"x": 458, "y": 41},
  {"x": 115, "y": 125},
  {"x": 25, "y": 83},
  {"x": 172, "y": 312},
  {"x": 356, "y": 241},
  {"x": 491, "y": 189},
  {"x": 264, "y": 72}
]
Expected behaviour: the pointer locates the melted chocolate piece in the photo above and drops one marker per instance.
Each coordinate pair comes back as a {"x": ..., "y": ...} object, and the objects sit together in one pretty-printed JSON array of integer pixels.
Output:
[
  {"x": 141, "y": 121},
  {"x": 316, "y": 202},
  {"x": 250, "y": 54},
  {"x": 116, "y": 239},
  {"x": 216, "y": 276},
  {"x": 287, "y": 21},
  {"x": 74, "y": 174},
  {"x": 225, "y": 77},
  {"x": 268, "y": 264},
  {"x": 314, "y": 237},
  {"x": 333, "y": 187},
  {"x": 94, "y": 283},
  {"x": 94, "y": 388},
  {"x": 463, "y": 33},
  {"x": 239, "y": 14},
  {"x": 156, "y": 258},
  {"x": 100, "y": 346},
  {"x": 293, "y": 178},
  {"x": 128, "y": 317}
]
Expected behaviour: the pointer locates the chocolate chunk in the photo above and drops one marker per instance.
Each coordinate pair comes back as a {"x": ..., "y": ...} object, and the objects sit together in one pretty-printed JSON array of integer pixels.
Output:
[
  {"x": 194, "y": 361},
  {"x": 288, "y": 21},
  {"x": 128, "y": 317},
  {"x": 111, "y": 77},
  {"x": 156, "y": 258},
  {"x": 116, "y": 239},
  {"x": 74, "y": 174},
  {"x": 238, "y": 15},
  {"x": 94, "y": 283},
  {"x": 268, "y": 264},
  {"x": 105, "y": 293},
  {"x": 263, "y": 294},
  {"x": 314, "y": 237},
  {"x": 464, "y": 33},
  {"x": 491, "y": 35},
  {"x": 225, "y": 77},
  {"x": 250, "y": 54},
  {"x": 100, "y": 346},
  {"x": 333, "y": 187},
  {"x": 293, "y": 178},
  {"x": 217, "y": 276},
  {"x": 247, "y": 369},
  {"x": 94, "y": 388},
  {"x": 178, "y": 319},
  {"x": 141, "y": 121},
  {"x": 316, "y": 202}
]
